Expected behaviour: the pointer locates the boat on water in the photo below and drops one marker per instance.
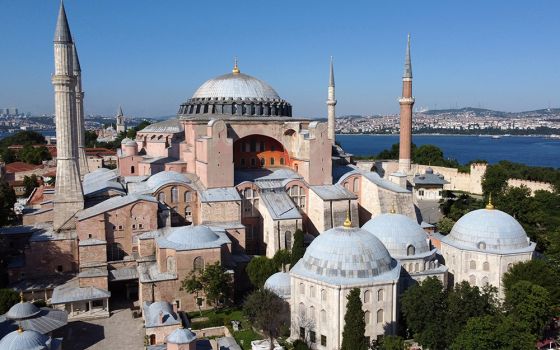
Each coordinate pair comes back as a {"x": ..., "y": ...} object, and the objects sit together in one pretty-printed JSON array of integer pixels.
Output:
[{"x": 495, "y": 137}]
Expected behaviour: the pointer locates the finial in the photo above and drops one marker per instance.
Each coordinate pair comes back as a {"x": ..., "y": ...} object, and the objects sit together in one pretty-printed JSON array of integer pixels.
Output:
[
  {"x": 20, "y": 330},
  {"x": 490, "y": 206},
  {"x": 235, "y": 69},
  {"x": 21, "y": 296},
  {"x": 331, "y": 76},
  {"x": 347, "y": 222}
]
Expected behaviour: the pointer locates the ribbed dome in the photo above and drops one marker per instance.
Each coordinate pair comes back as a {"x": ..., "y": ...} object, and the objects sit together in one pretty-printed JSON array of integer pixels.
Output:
[
  {"x": 188, "y": 235},
  {"x": 181, "y": 336},
  {"x": 488, "y": 229},
  {"x": 398, "y": 233},
  {"x": 236, "y": 85},
  {"x": 24, "y": 340},
  {"x": 346, "y": 256},
  {"x": 22, "y": 310},
  {"x": 279, "y": 283}
]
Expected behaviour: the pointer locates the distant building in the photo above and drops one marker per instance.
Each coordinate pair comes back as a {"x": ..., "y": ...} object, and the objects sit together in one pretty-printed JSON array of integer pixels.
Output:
[{"x": 428, "y": 186}]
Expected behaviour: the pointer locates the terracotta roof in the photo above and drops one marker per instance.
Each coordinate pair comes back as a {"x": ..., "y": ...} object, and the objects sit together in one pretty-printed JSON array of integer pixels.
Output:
[{"x": 17, "y": 167}]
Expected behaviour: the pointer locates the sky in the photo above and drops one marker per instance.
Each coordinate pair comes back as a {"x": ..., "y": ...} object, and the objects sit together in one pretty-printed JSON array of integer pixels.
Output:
[{"x": 150, "y": 56}]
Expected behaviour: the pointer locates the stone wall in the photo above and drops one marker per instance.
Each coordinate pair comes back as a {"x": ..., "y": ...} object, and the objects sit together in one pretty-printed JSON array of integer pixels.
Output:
[
  {"x": 531, "y": 185},
  {"x": 220, "y": 212}
]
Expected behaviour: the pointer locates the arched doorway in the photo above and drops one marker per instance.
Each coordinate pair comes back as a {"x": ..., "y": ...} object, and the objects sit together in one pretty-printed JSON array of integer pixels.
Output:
[{"x": 259, "y": 151}]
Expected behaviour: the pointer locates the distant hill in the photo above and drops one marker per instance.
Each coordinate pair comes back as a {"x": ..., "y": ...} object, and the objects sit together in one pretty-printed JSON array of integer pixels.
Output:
[{"x": 480, "y": 112}]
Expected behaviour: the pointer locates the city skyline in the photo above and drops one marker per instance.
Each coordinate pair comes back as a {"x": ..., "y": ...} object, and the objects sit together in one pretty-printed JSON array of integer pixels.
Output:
[{"x": 149, "y": 59}]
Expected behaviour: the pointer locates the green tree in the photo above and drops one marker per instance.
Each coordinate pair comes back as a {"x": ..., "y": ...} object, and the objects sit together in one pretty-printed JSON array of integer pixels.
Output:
[
  {"x": 34, "y": 154},
  {"x": 423, "y": 307},
  {"x": 389, "y": 342},
  {"x": 353, "y": 334},
  {"x": 8, "y": 298},
  {"x": 300, "y": 345},
  {"x": 215, "y": 284},
  {"x": 445, "y": 225},
  {"x": 192, "y": 285},
  {"x": 23, "y": 138},
  {"x": 7, "y": 155},
  {"x": 393, "y": 152},
  {"x": 537, "y": 271},
  {"x": 90, "y": 138},
  {"x": 282, "y": 258},
  {"x": 267, "y": 312},
  {"x": 529, "y": 304},
  {"x": 7, "y": 201},
  {"x": 494, "y": 180},
  {"x": 30, "y": 182},
  {"x": 298, "y": 247},
  {"x": 259, "y": 269}
]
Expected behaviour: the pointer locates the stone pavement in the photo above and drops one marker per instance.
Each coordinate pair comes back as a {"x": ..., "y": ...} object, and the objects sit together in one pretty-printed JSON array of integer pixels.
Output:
[{"x": 120, "y": 331}]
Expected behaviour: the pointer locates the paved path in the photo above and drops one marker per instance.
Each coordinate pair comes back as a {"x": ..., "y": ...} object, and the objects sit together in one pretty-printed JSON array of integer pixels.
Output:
[{"x": 120, "y": 332}]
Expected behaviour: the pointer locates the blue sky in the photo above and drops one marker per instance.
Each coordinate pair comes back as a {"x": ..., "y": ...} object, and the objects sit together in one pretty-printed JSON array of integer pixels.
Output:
[{"x": 149, "y": 56}]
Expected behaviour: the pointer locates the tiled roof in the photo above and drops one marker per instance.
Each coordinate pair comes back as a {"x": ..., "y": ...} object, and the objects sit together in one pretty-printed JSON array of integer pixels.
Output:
[
  {"x": 333, "y": 192},
  {"x": 224, "y": 194},
  {"x": 280, "y": 205}
]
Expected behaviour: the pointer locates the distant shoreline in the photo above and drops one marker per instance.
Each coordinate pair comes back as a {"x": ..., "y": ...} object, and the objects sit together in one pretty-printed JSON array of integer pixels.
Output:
[{"x": 555, "y": 136}]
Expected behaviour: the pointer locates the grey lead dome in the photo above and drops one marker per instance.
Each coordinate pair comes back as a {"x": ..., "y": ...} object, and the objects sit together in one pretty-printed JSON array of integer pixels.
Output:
[{"x": 236, "y": 85}]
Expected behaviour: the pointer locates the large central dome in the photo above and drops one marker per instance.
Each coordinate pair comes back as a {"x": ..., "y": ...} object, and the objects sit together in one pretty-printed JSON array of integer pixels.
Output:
[{"x": 236, "y": 85}]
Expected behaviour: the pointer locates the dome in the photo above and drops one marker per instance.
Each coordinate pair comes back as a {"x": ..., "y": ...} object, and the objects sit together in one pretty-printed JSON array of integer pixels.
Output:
[
  {"x": 236, "y": 85},
  {"x": 169, "y": 126},
  {"x": 24, "y": 340},
  {"x": 188, "y": 235},
  {"x": 22, "y": 310},
  {"x": 399, "y": 233},
  {"x": 131, "y": 143},
  {"x": 125, "y": 140},
  {"x": 429, "y": 170},
  {"x": 488, "y": 229},
  {"x": 181, "y": 336},
  {"x": 166, "y": 177},
  {"x": 279, "y": 283},
  {"x": 347, "y": 256}
]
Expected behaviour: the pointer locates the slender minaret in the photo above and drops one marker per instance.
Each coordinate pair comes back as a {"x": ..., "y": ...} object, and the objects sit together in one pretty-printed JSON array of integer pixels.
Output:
[
  {"x": 69, "y": 198},
  {"x": 80, "y": 122},
  {"x": 406, "y": 102},
  {"x": 121, "y": 126},
  {"x": 331, "y": 103}
]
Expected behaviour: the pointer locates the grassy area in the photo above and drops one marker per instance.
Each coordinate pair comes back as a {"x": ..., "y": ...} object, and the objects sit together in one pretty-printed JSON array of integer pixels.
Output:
[{"x": 223, "y": 317}]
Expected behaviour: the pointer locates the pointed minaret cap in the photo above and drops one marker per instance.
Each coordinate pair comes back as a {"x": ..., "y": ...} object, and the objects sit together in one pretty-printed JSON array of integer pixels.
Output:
[
  {"x": 62, "y": 33},
  {"x": 120, "y": 114},
  {"x": 76, "y": 59},
  {"x": 407, "y": 63},
  {"x": 331, "y": 76}
]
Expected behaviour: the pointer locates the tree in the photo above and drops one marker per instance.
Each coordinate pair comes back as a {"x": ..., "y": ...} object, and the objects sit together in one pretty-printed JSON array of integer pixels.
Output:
[
  {"x": 30, "y": 182},
  {"x": 259, "y": 269},
  {"x": 445, "y": 225},
  {"x": 34, "y": 155},
  {"x": 388, "y": 342},
  {"x": 267, "y": 312},
  {"x": 539, "y": 272},
  {"x": 8, "y": 298},
  {"x": 393, "y": 152},
  {"x": 494, "y": 180},
  {"x": 90, "y": 138},
  {"x": 7, "y": 201},
  {"x": 7, "y": 155},
  {"x": 215, "y": 283},
  {"x": 23, "y": 138},
  {"x": 423, "y": 307},
  {"x": 529, "y": 304},
  {"x": 298, "y": 248},
  {"x": 353, "y": 335},
  {"x": 282, "y": 258},
  {"x": 192, "y": 285}
]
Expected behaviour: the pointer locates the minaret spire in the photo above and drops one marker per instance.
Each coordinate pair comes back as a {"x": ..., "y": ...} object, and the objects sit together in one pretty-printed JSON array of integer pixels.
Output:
[
  {"x": 235, "y": 69},
  {"x": 69, "y": 197},
  {"x": 80, "y": 119},
  {"x": 406, "y": 103},
  {"x": 331, "y": 103}
]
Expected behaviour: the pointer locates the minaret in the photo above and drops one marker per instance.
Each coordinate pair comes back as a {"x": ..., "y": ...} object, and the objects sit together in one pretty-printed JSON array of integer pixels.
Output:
[
  {"x": 121, "y": 126},
  {"x": 331, "y": 103},
  {"x": 80, "y": 122},
  {"x": 69, "y": 198},
  {"x": 406, "y": 102}
]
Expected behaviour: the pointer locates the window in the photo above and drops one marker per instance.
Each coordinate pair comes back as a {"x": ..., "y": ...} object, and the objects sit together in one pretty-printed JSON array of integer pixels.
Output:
[
  {"x": 59, "y": 268},
  {"x": 482, "y": 245},
  {"x": 262, "y": 162},
  {"x": 312, "y": 313},
  {"x": 367, "y": 317},
  {"x": 356, "y": 185},
  {"x": 302, "y": 311},
  {"x": 161, "y": 197},
  {"x": 472, "y": 265},
  {"x": 271, "y": 160},
  {"x": 132, "y": 169},
  {"x": 486, "y": 266},
  {"x": 174, "y": 195},
  {"x": 323, "y": 295},
  {"x": 301, "y": 332},
  {"x": 120, "y": 227},
  {"x": 312, "y": 291},
  {"x": 242, "y": 161},
  {"x": 472, "y": 280},
  {"x": 421, "y": 192},
  {"x": 89, "y": 235},
  {"x": 281, "y": 160},
  {"x": 312, "y": 336},
  {"x": 323, "y": 316},
  {"x": 253, "y": 162},
  {"x": 323, "y": 340},
  {"x": 367, "y": 296},
  {"x": 410, "y": 250},
  {"x": 178, "y": 303},
  {"x": 380, "y": 316},
  {"x": 301, "y": 289},
  {"x": 140, "y": 226},
  {"x": 484, "y": 281},
  {"x": 380, "y": 295},
  {"x": 198, "y": 263}
]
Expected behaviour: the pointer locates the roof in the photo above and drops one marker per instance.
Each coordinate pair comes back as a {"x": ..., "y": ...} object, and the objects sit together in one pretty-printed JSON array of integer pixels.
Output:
[
  {"x": 25, "y": 340},
  {"x": 374, "y": 178},
  {"x": 123, "y": 274},
  {"x": 62, "y": 31},
  {"x": 279, "y": 205},
  {"x": 148, "y": 272},
  {"x": 222, "y": 194},
  {"x": 279, "y": 283},
  {"x": 181, "y": 336},
  {"x": 113, "y": 203},
  {"x": 333, "y": 192},
  {"x": 258, "y": 175},
  {"x": 171, "y": 126},
  {"x": 236, "y": 85},
  {"x": 429, "y": 179},
  {"x": 156, "y": 181},
  {"x": 22, "y": 310},
  {"x": 71, "y": 291},
  {"x": 407, "y": 63},
  {"x": 44, "y": 321},
  {"x": 192, "y": 237},
  {"x": 159, "y": 313},
  {"x": 17, "y": 167}
]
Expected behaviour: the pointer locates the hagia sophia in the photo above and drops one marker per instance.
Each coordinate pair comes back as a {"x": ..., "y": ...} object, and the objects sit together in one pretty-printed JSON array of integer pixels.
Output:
[{"x": 231, "y": 177}]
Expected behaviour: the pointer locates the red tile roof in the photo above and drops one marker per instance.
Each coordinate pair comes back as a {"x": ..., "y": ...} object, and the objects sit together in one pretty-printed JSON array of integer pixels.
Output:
[{"x": 17, "y": 167}]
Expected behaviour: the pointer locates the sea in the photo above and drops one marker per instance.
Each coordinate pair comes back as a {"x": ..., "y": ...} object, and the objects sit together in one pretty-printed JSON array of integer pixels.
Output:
[{"x": 529, "y": 150}]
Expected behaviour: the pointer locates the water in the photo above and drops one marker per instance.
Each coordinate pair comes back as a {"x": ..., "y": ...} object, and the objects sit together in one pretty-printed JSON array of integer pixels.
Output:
[
  {"x": 535, "y": 151},
  {"x": 44, "y": 132}
]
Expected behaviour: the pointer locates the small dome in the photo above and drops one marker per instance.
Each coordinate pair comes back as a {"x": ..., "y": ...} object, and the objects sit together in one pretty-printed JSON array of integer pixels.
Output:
[
  {"x": 170, "y": 126},
  {"x": 181, "y": 336},
  {"x": 125, "y": 140},
  {"x": 187, "y": 235},
  {"x": 346, "y": 256},
  {"x": 400, "y": 234},
  {"x": 131, "y": 143},
  {"x": 236, "y": 85},
  {"x": 488, "y": 229},
  {"x": 429, "y": 170},
  {"x": 279, "y": 283},
  {"x": 22, "y": 310},
  {"x": 24, "y": 340}
]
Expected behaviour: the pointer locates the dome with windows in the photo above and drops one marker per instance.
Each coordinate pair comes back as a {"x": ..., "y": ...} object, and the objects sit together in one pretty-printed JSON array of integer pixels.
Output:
[
  {"x": 401, "y": 235},
  {"x": 347, "y": 256},
  {"x": 489, "y": 230},
  {"x": 236, "y": 94},
  {"x": 279, "y": 283}
]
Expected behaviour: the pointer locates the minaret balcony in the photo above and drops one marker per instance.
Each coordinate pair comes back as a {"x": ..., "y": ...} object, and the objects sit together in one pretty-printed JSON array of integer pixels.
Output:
[{"x": 406, "y": 100}]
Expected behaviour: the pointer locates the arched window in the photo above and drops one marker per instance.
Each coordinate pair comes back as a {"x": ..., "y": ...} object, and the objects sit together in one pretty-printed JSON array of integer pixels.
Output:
[
  {"x": 482, "y": 245},
  {"x": 174, "y": 194},
  {"x": 262, "y": 162},
  {"x": 367, "y": 317},
  {"x": 281, "y": 160},
  {"x": 302, "y": 310},
  {"x": 367, "y": 296},
  {"x": 288, "y": 238},
  {"x": 171, "y": 264},
  {"x": 472, "y": 265},
  {"x": 486, "y": 266},
  {"x": 356, "y": 185},
  {"x": 312, "y": 313},
  {"x": 323, "y": 316},
  {"x": 242, "y": 162},
  {"x": 472, "y": 280},
  {"x": 380, "y": 295},
  {"x": 416, "y": 267},
  {"x": 380, "y": 316},
  {"x": 152, "y": 339},
  {"x": 510, "y": 265},
  {"x": 484, "y": 281},
  {"x": 161, "y": 197},
  {"x": 132, "y": 169},
  {"x": 301, "y": 289},
  {"x": 188, "y": 196},
  {"x": 410, "y": 250},
  {"x": 188, "y": 215},
  {"x": 271, "y": 160},
  {"x": 198, "y": 264},
  {"x": 323, "y": 295},
  {"x": 312, "y": 291}
]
